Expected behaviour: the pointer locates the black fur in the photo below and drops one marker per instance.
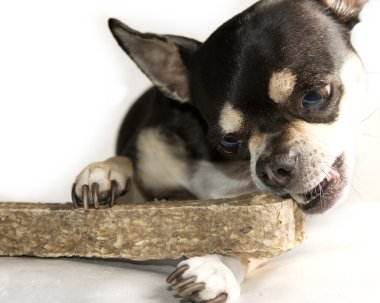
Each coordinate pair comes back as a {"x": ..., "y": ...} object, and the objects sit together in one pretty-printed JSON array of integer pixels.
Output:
[
  {"x": 235, "y": 64},
  {"x": 311, "y": 38}
]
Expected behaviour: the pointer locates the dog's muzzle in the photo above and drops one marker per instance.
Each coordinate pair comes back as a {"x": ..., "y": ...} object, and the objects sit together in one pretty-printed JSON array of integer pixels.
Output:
[{"x": 281, "y": 174}]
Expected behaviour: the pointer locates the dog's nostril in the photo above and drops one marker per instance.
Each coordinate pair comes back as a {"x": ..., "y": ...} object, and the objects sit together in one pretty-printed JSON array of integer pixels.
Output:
[{"x": 284, "y": 172}]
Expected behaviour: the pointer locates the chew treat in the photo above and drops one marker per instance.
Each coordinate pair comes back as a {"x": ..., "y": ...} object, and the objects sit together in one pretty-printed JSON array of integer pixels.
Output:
[{"x": 260, "y": 226}]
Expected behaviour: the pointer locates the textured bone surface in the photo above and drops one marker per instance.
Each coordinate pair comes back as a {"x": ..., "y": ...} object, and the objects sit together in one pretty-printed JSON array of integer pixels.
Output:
[{"x": 260, "y": 226}]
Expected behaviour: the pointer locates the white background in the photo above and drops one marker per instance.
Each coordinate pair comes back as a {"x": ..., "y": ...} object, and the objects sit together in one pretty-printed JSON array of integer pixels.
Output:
[{"x": 65, "y": 86}]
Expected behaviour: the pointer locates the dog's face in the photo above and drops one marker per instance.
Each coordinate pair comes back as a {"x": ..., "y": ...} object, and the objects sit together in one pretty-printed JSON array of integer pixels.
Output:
[{"x": 278, "y": 85}]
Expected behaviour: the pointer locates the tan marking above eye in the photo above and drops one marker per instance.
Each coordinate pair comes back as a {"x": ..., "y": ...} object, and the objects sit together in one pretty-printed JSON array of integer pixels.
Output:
[
  {"x": 281, "y": 85},
  {"x": 231, "y": 119}
]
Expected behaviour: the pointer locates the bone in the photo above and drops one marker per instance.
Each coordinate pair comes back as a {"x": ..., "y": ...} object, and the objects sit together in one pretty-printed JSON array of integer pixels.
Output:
[{"x": 260, "y": 226}]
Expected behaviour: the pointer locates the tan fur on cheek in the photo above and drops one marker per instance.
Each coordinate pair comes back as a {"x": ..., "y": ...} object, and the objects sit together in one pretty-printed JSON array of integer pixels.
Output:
[
  {"x": 231, "y": 120},
  {"x": 334, "y": 138},
  {"x": 257, "y": 145},
  {"x": 281, "y": 85},
  {"x": 328, "y": 139}
]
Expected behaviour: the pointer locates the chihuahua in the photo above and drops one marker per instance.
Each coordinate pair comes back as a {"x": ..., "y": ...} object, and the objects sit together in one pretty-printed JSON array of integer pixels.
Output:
[{"x": 267, "y": 103}]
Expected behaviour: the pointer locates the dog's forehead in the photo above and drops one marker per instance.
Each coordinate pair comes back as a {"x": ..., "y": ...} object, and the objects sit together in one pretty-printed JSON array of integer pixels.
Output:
[
  {"x": 290, "y": 41},
  {"x": 272, "y": 38},
  {"x": 266, "y": 52}
]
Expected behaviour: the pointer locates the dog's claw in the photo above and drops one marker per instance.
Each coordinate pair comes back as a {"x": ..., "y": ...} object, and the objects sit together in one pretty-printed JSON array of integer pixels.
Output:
[
  {"x": 113, "y": 193},
  {"x": 175, "y": 274},
  {"x": 182, "y": 283},
  {"x": 219, "y": 299},
  {"x": 188, "y": 290},
  {"x": 95, "y": 194},
  {"x": 94, "y": 198},
  {"x": 127, "y": 187},
  {"x": 85, "y": 190},
  {"x": 74, "y": 197}
]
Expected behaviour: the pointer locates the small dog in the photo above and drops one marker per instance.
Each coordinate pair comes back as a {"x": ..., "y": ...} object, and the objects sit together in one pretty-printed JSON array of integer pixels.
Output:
[{"x": 266, "y": 103}]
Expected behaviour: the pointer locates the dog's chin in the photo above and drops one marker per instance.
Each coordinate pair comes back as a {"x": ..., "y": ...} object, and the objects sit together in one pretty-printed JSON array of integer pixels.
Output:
[{"x": 328, "y": 192}]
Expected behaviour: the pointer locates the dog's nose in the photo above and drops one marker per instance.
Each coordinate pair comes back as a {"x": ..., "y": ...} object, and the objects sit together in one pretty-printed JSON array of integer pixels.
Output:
[{"x": 276, "y": 171}]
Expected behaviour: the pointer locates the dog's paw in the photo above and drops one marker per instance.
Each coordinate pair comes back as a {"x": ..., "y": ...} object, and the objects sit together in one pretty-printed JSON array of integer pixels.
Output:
[
  {"x": 99, "y": 183},
  {"x": 204, "y": 279}
]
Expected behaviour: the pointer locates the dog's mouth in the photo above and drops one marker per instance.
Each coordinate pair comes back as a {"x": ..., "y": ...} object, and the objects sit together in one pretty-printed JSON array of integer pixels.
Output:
[{"x": 327, "y": 192}]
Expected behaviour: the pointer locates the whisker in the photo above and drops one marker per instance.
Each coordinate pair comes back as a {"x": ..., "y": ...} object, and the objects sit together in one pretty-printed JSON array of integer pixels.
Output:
[
  {"x": 370, "y": 115},
  {"x": 371, "y": 136},
  {"x": 356, "y": 191}
]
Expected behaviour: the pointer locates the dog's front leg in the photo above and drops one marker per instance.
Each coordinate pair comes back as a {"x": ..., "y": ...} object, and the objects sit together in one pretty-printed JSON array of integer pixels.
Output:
[
  {"x": 103, "y": 182},
  {"x": 214, "y": 278},
  {"x": 211, "y": 278}
]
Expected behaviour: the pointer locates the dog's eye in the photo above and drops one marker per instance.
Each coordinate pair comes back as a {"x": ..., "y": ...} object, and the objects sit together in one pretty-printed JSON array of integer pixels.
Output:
[
  {"x": 230, "y": 144},
  {"x": 315, "y": 100}
]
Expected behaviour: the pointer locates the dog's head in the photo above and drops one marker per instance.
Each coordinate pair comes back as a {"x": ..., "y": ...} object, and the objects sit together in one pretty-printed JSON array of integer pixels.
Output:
[{"x": 277, "y": 84}]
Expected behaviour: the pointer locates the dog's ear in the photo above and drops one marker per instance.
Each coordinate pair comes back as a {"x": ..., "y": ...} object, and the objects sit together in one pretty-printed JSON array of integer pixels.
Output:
[
  {"x": 163, "y": 58},
  {"x": 346, "y": 11}
]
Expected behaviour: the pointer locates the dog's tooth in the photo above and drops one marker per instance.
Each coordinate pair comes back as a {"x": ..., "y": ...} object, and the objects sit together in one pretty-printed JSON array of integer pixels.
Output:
[{"x": 298, "y": 198}]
